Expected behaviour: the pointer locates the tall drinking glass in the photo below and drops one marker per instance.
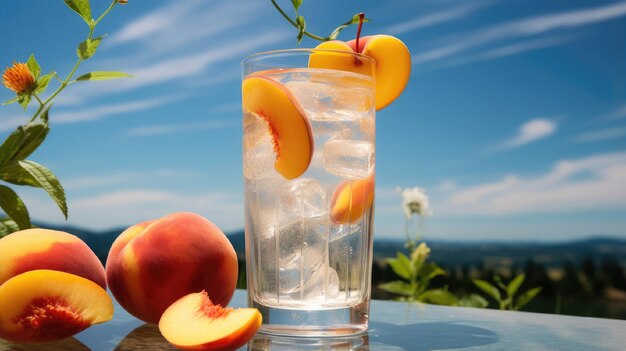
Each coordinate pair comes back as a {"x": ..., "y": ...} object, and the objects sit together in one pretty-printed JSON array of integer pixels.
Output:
[{"x": 308, "y": 164}]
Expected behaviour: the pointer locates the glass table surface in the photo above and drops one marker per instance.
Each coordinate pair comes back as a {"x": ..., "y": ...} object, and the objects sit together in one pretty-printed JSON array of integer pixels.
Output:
[{"x": 393, "y": 326}]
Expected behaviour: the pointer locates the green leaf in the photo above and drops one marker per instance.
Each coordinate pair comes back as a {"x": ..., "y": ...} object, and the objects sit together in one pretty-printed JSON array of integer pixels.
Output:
[
  {"x": 514, "y": 285},
  {"x": 296, "y": 4},
  {"x": 33, "y": 66},
  {"x": 397, "y": 287},
  {"x": 82, "y": 8},
  {"x": 472, "y": 300},
  {"x": 526, "y": 297},
  {"x": 8, "y": 102},
  {"x": 14, "y": 207},
  {"x": 7, "y": 226},
  {"x": 401, "y": 266},
  {"x": 488, "y": 289},
  {"x": 103, "y": 75},
  {"x": 438, "y": 297},
  {"x": 353, "y": 20},
  {"x": 24, "y": 140},
  {"x": 43, "y": 82},
  {"x": 87, "y": 48},
  {"x": 431, "y": 270},
  {"x": 48, "y": 181},
  {"x": 301, "y": 26},
  {"x": 14, "y": 173},
  {"x": 24, "y": 100}
]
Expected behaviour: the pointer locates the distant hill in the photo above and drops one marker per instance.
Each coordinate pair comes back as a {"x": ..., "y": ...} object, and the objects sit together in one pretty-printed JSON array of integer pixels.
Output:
[{"x": 445, "y": 253}]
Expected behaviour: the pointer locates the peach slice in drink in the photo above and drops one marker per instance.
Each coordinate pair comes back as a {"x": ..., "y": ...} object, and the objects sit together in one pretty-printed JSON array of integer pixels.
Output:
[
  {"x": 351, "y": 200},
  {"x": 287, "y": 123}
]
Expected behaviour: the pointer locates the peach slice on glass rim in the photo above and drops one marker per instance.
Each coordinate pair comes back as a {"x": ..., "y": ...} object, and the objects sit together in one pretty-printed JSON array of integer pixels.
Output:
[
  {"x": 45, "y": 305},
  {"x": 287, "y": 123},
  {"x": 195, "y": 323},
  {"x": 351, "y": 200},
  {"x": 393, "y": 63}
]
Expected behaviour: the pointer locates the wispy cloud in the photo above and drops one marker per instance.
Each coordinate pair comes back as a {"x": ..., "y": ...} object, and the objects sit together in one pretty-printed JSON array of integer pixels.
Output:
[
  {"x": 435, "y": 18},
  {"x": 531, "y": 131},
  {"x": 523, "y": 28},
  {"x": 91, "y": 114},
  {"x": 601, "y": 135},
  {"x": 124, "y": 178},
  {"x": 514, "y": 49},
  {"x": 183, "y": 23},
  {"x": 179, "y": 128},
  {"x": 11, "y": 122},
  {"x": 111, "y": 209},
  {"x": 591, "y": 183},
  {"x": 618, "y": 113}
]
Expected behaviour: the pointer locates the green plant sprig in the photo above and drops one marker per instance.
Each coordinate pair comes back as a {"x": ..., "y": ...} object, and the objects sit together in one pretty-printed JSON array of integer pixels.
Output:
[
  {"x": 15, "y": 168},
  {"x": 299, "y": 23},
  {"x": 506, "y": 296}
]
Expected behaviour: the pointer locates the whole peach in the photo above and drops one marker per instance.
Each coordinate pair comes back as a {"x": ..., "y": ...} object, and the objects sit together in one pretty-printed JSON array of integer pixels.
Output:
[
  {"x": 152, "y": 264},
  {"x": 37, "y": 248}
]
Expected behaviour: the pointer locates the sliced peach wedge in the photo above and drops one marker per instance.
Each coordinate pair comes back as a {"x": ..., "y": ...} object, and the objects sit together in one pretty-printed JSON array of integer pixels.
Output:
[
  {"x": 392, "y": 57},
  {"x": 45, "y": 305},
  {"x": 289, "y": 127},
  {"x": 195, "y": 323},
  {"x": 351, "y": 200}
]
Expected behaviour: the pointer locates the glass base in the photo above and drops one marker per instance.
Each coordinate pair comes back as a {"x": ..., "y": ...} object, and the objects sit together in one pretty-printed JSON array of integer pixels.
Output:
[{"x": 341, "y": 321}]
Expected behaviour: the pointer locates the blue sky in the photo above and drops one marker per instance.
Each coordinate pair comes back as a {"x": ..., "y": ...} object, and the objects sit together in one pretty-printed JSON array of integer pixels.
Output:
[{"x": 514, "y": 120}]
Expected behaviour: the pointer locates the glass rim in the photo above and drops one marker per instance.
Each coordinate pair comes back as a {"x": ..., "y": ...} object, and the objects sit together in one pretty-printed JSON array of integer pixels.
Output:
[{"x": 279, "y": 52}]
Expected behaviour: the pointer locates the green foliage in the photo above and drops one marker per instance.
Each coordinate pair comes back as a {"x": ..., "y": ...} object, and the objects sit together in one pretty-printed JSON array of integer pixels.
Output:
[
  {"x": 511, "y": 301},
  {"x": 416, "y": 274},
  {"x": 15, "y": 168},
  {"x": 299, "y": 23}
]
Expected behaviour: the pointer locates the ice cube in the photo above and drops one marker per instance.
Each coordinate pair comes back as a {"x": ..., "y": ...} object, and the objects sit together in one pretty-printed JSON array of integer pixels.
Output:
[
  {"x": 297, "y": 270},
  {"x": 304, "y": 197},
  {"x": 324, "y": 282},
  {"x": 258, "y": 154},
  {"x": 352, "y": 159}
]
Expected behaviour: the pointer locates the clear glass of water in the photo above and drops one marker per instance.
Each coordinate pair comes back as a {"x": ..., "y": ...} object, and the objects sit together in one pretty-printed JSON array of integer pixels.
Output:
[{"x": 309, "y": 237}]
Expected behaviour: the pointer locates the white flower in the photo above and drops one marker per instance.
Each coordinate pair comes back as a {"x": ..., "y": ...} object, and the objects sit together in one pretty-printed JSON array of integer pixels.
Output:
[{"x": 415, "y": 201}]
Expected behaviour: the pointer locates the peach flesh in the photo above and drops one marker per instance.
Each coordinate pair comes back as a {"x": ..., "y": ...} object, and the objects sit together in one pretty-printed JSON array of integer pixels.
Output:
[
  {"x": 45, "y": 305},
  {"x": 208, "y": 326},
  {"x": 288, "y": 125}
]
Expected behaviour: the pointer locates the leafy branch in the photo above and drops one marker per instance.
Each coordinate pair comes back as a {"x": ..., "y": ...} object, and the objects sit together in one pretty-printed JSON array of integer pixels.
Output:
[
  {"x": 28, "y": 84},
  {"x": 299, "y": 23}
]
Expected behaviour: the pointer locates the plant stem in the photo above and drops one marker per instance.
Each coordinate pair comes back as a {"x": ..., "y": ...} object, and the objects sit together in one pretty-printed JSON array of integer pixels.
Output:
[
  {"x": 92, "y": 26},
  {"x": 293, "y": 23},
  {"x": 358, "y": 31},
  {"x": 38, "y": 99}
]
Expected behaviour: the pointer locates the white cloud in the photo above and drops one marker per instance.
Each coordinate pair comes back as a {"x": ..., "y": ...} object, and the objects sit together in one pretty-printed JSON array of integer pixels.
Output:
[
  {"x": 618, "y": 113},
  {"x": 106, "y": 180},
  {"x": 126, "y": 207},
  {"x": 591, "y": 183},
  {"x": 531, "y": 131},
  {"x": 178, "y": 128},
  {"x": 602, "y": 134},
  {"x": 523, "y": 28},
  {"x": 433, "y": 19},
  {"x": 94, "y": 113},
  {"x": 514, "y": 49},
  {"x": 11, "y": 122}
]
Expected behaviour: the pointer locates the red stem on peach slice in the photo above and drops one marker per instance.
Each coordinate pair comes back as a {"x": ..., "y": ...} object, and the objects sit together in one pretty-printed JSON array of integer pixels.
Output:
[{"x": 358, "y": 36}]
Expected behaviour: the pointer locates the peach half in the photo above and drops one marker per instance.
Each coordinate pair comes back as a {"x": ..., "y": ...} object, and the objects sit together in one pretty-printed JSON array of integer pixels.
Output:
[
  {"x": 351, "y": 200},
  {"x": 44, "y": 305},
  {"x": 393, "y": 63},
  {"x": 195, "y": 323},
  {"x": 286, "y": 120},
  {"x": 38, "y": 248},
  {"x": 152, "y": 264}
]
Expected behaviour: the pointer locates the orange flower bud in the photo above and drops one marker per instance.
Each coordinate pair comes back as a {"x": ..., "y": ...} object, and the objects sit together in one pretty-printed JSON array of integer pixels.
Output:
[{"x": 18, "y": 78}]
